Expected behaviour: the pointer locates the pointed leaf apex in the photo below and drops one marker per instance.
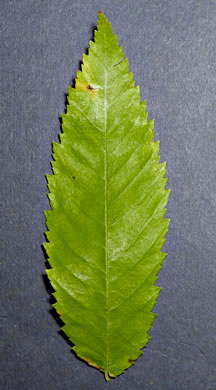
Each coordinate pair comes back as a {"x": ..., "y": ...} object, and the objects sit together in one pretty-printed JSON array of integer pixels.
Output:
[{"x": 102, "y": 18}]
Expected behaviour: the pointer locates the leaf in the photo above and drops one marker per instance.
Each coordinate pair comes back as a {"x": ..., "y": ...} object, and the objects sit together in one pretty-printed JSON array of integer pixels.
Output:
[{"x": 106, "y": 225}]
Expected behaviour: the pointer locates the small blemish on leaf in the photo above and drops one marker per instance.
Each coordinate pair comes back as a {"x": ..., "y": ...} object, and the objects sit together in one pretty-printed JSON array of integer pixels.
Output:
[
  {"x": 74, "y": 178},
  {"x": 130, "y": 360},
  {"x": 90, "y": 87},
  {"x": 92, "y": 364},
  {"x": 84, "y": 277},
  {"x": 118, "y": 63}
]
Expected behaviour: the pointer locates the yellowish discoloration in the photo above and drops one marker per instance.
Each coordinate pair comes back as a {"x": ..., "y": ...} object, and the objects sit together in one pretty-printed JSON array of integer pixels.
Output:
[
  {"x": 80, "y": 85},
  {"x": 83, "y": 86}
]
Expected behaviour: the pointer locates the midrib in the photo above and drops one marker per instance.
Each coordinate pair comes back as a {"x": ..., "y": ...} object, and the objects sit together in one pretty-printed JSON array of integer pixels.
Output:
[{"x": 106, "y": 225}]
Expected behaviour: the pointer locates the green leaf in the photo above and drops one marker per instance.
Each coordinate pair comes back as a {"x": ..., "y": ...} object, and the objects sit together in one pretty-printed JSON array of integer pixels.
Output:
[{"x": 106, "y": 225}]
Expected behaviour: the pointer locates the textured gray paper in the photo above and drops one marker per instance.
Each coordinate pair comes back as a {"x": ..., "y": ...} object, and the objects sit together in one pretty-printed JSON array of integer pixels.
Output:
[{"x": 171, "y": 49}]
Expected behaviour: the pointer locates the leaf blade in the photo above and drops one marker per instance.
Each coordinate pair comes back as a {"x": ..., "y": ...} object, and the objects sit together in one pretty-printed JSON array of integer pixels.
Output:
[{"x": 108, "y": 198}]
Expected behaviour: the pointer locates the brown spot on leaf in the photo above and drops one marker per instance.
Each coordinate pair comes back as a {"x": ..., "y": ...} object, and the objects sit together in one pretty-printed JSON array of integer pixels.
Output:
[
  {"x": 100, "y": 12},
  {"x": 74, "y": 178},
  {"x": 90, "y": 87},
  {"x": 130, "y": 360},
  {"x": 92, "y": 364}
]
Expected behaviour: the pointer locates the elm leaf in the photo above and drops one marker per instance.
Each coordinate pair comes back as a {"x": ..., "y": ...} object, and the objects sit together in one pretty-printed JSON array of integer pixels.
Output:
[{"x": 106, "y": 226}]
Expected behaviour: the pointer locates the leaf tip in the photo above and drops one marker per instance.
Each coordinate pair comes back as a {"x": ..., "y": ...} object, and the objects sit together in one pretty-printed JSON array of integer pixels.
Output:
[{"x": 102, "y": 18}]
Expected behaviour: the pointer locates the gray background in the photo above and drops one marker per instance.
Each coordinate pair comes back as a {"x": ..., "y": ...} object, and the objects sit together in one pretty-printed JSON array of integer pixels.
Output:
[{"x": 171, "y": 49}]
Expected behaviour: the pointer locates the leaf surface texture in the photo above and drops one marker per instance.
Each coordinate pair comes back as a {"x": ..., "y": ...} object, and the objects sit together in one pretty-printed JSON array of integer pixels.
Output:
[{"x": 106, "y": 226}]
